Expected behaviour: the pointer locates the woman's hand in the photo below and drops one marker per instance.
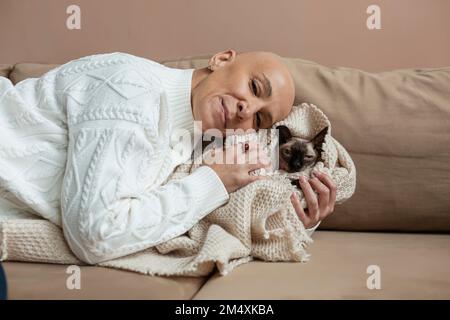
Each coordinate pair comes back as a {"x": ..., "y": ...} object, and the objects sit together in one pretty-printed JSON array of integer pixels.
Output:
[
  {"x": 320, "y": 205},
  {"x": 235, "y": 163}
]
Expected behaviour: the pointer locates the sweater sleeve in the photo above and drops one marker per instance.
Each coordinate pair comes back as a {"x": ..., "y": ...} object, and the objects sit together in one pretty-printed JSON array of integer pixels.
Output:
[{"x": 108, "y": 208}]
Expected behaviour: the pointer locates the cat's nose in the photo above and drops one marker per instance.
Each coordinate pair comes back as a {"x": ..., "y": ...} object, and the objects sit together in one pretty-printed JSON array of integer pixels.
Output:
[{"x": 296, "y": 165}]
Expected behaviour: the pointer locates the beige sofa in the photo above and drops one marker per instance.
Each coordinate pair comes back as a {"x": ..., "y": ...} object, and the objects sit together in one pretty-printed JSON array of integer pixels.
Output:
[{"x": 396, "y": 125}]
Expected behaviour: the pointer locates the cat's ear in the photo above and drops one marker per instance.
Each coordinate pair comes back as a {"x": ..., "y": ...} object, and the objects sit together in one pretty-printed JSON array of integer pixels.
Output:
[
  {"x": 284, "y": 134},
  {"x": 319, "y": 139}
]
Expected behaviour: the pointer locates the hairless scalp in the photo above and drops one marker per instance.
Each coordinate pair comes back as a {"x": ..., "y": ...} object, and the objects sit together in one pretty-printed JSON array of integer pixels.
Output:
[{"x": 273, "y": 58}]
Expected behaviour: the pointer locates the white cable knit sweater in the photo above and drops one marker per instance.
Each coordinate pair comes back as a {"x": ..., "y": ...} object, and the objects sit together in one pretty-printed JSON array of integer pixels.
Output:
[{"x": 87, "y": 146}]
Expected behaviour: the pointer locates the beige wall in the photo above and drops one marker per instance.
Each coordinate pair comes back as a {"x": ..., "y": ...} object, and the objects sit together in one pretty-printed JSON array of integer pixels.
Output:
[{"x": 415, "y": 33}]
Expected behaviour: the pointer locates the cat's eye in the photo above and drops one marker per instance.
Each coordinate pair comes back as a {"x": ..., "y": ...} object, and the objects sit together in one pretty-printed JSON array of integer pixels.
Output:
[{"x": 309, "y": 157}]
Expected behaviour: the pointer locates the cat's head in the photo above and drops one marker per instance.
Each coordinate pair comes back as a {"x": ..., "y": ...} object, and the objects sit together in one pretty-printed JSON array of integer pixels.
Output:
[{"x": 297, "y": 154}]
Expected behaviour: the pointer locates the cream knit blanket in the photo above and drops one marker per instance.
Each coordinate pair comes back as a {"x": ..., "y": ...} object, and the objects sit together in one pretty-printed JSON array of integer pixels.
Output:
[{"x": 258, "y": 222}]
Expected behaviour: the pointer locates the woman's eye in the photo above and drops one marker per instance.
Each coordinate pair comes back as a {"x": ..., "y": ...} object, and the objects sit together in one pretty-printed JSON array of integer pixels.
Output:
[
  {"x": 258, "y": 120},
  {"x": 254, "y": 88}
]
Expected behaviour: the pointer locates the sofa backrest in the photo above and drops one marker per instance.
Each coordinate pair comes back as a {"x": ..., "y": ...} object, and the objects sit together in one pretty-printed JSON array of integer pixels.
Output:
[
  {"x": 396, "y": 126},
  {"x": 5, "y": 69}
]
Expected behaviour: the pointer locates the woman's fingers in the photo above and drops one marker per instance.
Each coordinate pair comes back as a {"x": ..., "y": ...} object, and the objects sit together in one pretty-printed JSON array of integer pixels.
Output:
[
  {"x": 323, "y": 195},
  {"x": 257, "y": 158},
  {"x": 299, "y": 209},
  {"x": 326, "y": 179},
  {"x": 327, "y": 194},
  {"x": 258, "y": 153},
  {"x": 311, "y": 199},
  {"x": 251, "y": 179},
  {"x": 262, "y": 156},
  {"x": 255, "y": 166},
  {"x": 252, "y": 145}
]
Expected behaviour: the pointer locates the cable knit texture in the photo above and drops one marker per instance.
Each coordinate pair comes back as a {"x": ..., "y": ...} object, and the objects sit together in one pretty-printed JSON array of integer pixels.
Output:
[{"x": 258, "y": 222}]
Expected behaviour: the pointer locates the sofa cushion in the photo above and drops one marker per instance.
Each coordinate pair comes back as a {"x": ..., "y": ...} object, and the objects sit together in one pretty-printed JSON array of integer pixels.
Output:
[
  {"x": 412, "y": 266},
  {"x": 396, "y": 126},
  {"x": 48, "y": 281},
  {"x": 5, "y": 69}
]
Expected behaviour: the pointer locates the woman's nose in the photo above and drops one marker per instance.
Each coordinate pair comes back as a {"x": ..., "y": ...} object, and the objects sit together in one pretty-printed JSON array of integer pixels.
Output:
[{"x": 243, "y": 109}]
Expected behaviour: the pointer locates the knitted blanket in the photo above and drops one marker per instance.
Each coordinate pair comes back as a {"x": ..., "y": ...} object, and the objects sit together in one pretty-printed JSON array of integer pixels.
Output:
[{"x": 258, "y": 222}]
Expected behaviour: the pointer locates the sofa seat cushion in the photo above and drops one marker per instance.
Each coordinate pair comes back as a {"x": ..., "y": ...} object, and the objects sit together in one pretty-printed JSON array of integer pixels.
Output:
[
  {"x": 48, "y": 281},
  {"x": 413, "y": 266}
]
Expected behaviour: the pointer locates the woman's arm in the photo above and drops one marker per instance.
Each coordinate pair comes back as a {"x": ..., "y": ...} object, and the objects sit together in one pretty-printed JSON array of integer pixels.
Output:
[{"x": 107, "y": 209}]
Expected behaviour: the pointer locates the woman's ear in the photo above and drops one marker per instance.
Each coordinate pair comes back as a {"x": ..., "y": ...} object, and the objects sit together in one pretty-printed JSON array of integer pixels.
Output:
[{"x": 222, "y": 58}]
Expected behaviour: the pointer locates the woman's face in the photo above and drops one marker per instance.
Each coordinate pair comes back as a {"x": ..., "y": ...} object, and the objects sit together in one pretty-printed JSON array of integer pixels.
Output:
[{"x": 248, "y": 90}]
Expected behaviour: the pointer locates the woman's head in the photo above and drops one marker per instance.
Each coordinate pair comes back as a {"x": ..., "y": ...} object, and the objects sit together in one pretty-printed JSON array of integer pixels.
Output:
[{"x": 253, "y": 89}]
